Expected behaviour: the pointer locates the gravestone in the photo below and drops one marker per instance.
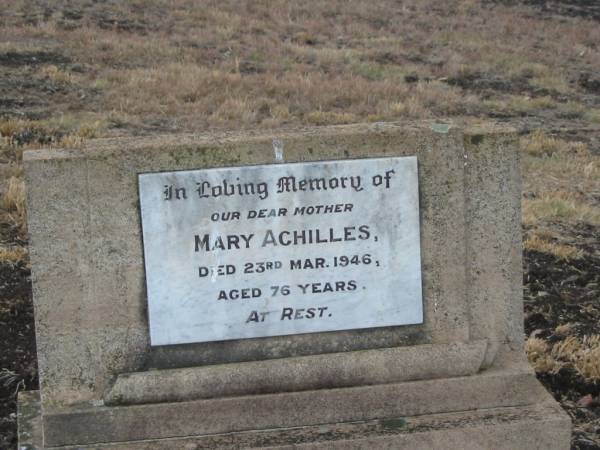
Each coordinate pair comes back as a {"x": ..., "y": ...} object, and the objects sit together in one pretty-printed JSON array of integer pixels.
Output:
[{"x": 329, "y": 288}]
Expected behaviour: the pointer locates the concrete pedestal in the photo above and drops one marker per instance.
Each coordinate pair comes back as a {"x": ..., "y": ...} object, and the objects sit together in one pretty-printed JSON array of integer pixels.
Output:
[
  {"x": 497, "y": 409},
  {"x": 459, "y": 380}
]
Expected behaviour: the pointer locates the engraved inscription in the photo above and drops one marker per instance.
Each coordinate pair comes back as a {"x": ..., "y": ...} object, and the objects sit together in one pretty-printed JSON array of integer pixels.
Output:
[{"x": 256, "y": 251}]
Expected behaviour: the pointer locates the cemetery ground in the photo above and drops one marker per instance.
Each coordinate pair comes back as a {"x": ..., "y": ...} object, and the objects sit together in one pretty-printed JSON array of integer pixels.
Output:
[{"x": 71, "y": 71}]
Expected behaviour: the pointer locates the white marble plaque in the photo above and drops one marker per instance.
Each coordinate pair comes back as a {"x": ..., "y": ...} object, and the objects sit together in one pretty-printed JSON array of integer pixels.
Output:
[{"x": 272, "y": 250}]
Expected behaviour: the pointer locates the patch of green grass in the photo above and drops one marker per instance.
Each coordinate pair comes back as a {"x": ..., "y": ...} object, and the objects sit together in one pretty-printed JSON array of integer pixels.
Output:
[
  {"x": 394, "y": 424},
  {"x": 571, "y": 110},
  {"x": 519, "y": 104},
  {"x": 593, "y": 115},
  {"x": 370, "y": 71},
  {"x": 551, "y": 82},
  {"x": 559, "y": 207}
]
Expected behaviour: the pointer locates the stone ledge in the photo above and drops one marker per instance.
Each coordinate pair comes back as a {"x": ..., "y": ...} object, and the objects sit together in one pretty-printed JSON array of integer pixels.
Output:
[
  {"x": 540, "y": 426},
  {"x": 91, "y": 425},
  {"x": 219, "y": 138},
  {"x": 359, "y": 368}
]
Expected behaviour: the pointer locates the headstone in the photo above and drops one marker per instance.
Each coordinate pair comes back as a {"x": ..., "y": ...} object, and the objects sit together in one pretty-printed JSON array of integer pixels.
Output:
[{"x": 333, "y": 288}]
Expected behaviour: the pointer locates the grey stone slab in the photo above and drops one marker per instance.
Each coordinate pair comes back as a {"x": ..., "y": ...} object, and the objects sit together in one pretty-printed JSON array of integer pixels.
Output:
[
  {"x": 538, "y": 427},
  {"x": 228, "y": 414},
  {"x": 272, "y": 250},
  {"x": 542, "y": 426}
]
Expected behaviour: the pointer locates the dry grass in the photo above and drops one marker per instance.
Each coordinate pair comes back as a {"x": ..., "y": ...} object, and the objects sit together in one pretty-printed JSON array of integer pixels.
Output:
[
  {"x": 559, "y": 206},
  {"x": 538, "y": 354},
  {"x": 66, "y": 131},
  {"x": 564, "y": 329},
  {"x": 552, "y": 82},
  {"x": 13, "y": 255},
  {"x": 14, "y": 198},
  {"x": 583, "y": 355},
  {"x": 539, "y": 143},
  {"x": 315, "y": 99},
  {"x": 171, "y": 66},
  {"x": 11, "y": 380},
  {"x": 63, "y": 131},
  {"x": 13, "y": 201},
  {"x": 329, "y": 118},
  {"x": 561, "y": 251},
  {"x": 233, "y": 64},
  {"x": 593, "y": 115},
  {"x": 56, "y": 75},
  {"x": 176, "y": 67},
  {"x": 587, "y": 360},
  {"x": 562, "y": 180},
  {"x": 520, "y": 104}
]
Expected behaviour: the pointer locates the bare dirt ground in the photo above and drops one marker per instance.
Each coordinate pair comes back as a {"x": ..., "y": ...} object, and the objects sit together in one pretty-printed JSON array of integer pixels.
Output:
[
  {"x": 562, "y": 308},
  {"x": 77, "y": 70}
]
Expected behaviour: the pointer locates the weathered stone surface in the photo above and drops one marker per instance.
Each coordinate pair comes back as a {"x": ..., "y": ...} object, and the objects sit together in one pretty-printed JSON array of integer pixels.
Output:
[
  {"x": 300, "y": 244},
  {"x": 490, "y": 389},
  {"x": 87, "y": 265},
  {"x": 29, "y": 415},
  {"x": 493, "y": 227},
  {"x": 542, "y": 426},
  {"x": 365, "y": 367}
]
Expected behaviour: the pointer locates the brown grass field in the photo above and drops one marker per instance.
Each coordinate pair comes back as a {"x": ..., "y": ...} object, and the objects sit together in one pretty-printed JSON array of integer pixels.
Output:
[{"x": 77, "y": 70}]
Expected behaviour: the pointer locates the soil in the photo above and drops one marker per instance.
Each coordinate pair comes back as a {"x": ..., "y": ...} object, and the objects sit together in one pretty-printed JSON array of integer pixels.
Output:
[
  {"x": 25, "y": 93},
  {"x": 17, "y": 340},
  {"x": 589, "y": 9},
  {"x": 558, "y": 292}
]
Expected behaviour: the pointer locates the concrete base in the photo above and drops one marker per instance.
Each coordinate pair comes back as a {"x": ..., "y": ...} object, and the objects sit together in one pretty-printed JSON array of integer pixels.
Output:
[{"x": 543, "y": 425}]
